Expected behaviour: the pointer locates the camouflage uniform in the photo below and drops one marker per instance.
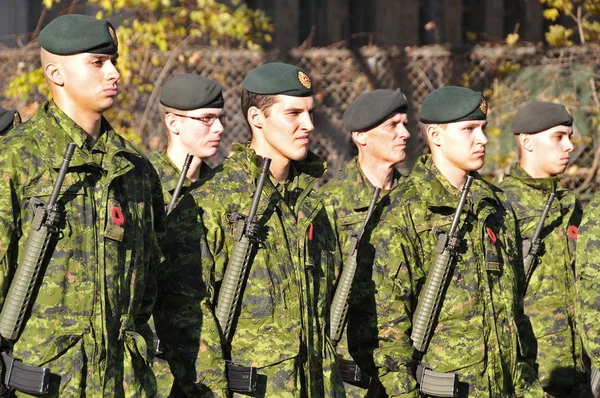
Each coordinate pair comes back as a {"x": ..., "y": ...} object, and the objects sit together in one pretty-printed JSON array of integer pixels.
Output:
[
  {"x": 281, "y": 328},
  {"x": 587, "y": 280},
  {"x": 347, "y": 198},
  {"x": 476, "y": 334},
  {"x": 168, "y": 174},
  {"x": 97, "y": 291},
  {"x": 549, "y": 296}
]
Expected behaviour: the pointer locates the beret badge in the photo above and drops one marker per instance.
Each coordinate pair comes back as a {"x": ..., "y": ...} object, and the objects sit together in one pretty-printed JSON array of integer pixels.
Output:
[
  {"x": 113, "y": 35},
  {"x": 304, "y": 79},
  {"x": 483, "y": 105}
]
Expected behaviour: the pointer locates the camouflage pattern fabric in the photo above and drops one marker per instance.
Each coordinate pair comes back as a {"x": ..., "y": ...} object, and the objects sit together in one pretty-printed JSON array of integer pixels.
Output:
[
  {"x": 587, "y": 282},
  {"x": 549, "y": 300},
  {"x": 347, "y": 197},
  {"x": 88, "y": 321},
  {"x": 281, "y": 327},
  {"x": 476, "y": 335},
  {"x": 169, "y": 175}
]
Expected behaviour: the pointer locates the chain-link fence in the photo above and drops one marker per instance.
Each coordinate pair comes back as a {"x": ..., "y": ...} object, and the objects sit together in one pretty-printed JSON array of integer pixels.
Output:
[{"x": 508, "y": 76}]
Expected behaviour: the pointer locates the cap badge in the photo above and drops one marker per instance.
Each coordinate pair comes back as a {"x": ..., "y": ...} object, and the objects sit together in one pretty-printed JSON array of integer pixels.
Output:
[
  {"x": 304, "y": 79},
  {"x": 113, "y": 35},
  {"x": 483, "y": 105}
]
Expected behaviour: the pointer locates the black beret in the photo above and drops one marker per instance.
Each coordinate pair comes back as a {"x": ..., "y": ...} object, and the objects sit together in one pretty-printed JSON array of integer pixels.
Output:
[
  {"x": 278, "y": 78},
  {"x": 8, "y": 119},
  {"x": 453, "y": 104},
  {"x": 372, "y": 108},
  {"x": 191, "y": 91},
  {"x": 73, "y": 34},
  {"x": 540, "y": 116}
]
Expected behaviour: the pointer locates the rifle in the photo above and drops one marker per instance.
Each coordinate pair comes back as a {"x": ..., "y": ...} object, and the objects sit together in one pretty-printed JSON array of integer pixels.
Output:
[
  {"x": 534, "y": 248},
  {"x": 18, "y": 376},
  {"x": 430, "y": 382},
  {"x": 339, "y": 305},
  {"x": 186, "y": 166},
  {"x": 241, "y": 378}
]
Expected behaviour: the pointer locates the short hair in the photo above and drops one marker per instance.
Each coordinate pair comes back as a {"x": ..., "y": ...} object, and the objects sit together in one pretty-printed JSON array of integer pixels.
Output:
[
  {"x": 423, "y": 128},
  {"x": 260, "y": 101}
]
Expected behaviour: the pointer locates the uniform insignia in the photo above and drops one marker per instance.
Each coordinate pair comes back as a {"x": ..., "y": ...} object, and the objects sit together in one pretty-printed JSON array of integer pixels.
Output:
[
  {"x": 573, "y": 232},
  {"x": 491, "y": 234},
  {"x": 304, "y": 79},
  {"x": 483, "y": 105},
  {"x": 113, "y": 35},
  {"x": 117, "y": 216}
]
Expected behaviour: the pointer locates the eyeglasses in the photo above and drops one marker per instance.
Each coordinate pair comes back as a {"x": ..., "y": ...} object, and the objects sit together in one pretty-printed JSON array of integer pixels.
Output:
[{"x": 208, "y": 120}]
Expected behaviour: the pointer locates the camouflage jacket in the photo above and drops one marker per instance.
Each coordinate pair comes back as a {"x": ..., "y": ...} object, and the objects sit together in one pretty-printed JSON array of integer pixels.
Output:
[
  {"x": 549, "y": 296},
  {"x": 284, "y": 308},
  {"x": 476, "y": 335},
  {"x": 169, "y": 175},
  {"x": 99, "y": 285},
  {"x": 587, "y": 282},
  {"x": 347, "y": 197}
]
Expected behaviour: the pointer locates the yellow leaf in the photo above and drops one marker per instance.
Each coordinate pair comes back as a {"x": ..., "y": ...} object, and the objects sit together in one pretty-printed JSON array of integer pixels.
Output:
[
  {"x": 551, "y": 14},
  {"x": 512, "y": 39}
]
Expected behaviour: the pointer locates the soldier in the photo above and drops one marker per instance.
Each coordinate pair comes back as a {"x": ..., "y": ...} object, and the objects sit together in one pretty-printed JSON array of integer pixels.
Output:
[
  {"x": 279, "y": 328},
  {"x": 473, "y": 346},
  {"x": 543, "y": 135},
  {"x": 377, "y": 121},
  {"x": 8, "y": 120},
  {"x": 192, "y": 110},
  {"x": 95, "y": 293}
]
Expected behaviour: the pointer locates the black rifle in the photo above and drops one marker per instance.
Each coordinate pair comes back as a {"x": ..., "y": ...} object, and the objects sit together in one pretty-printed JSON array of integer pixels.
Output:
[
  {"x": 18, "y": 376},
  {"x": 533, "y": 250}
]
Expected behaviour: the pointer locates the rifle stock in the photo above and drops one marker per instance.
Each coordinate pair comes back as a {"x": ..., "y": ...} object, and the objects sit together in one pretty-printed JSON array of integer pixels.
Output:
[
  {"x": 339, "y": 305},
  {"x": 233, "y": 280},
  {"x": 433, "y": 289}
]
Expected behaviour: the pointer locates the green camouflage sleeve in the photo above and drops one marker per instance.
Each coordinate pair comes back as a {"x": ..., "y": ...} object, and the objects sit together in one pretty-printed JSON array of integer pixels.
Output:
[
  {"x": 394, "y": 297},
  {"x": 184, "y": 317},
  {"x": 587, "y": 285}
]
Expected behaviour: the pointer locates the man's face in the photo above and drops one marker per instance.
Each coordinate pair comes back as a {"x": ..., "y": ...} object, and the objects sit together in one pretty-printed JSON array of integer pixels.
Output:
[
  {"x": 462, "y": 144},
  {"x": 90, "y": 81},
  {"x": 387, "y": 141},
  {"x": 287, "y": 126},
  {"x": 200, "y": 130},
  {"x": 551, "y": 150}
]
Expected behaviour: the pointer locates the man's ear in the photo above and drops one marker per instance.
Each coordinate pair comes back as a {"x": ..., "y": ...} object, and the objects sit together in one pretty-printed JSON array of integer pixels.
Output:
[
  {"x": 433, "y": 134},
  {"x": 55, "y": 73},
  {"x": 172, "y": 122},
  {"x": 359, "y": 138},
  {"x": 526, "y": 142},
  {"x": 256, "y": 117}
]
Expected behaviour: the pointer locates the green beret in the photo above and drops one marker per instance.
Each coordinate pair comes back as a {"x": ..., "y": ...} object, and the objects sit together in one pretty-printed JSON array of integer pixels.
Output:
[
  {"x": 372, "y": 108},
  {"x": 453, "y": 104},
  {"x": 73, "y": 34},
  {"x": 540, "y": 116},
  {"x": 278, "y": 78},
  {"x": 8, "y": 119},
  {"x": 191, "y": 91}
]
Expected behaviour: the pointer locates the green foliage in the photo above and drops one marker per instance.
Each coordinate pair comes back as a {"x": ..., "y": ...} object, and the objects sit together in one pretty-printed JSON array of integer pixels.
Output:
[
  {"x": 581, "y": 12},
  {"x": 152, "y": 38}
]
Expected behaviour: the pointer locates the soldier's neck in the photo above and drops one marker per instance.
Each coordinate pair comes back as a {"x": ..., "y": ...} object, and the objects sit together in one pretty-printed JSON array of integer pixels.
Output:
[
  {"x": 532, "y": 168},
  {"x": 177, "y": 157},
  {"x": 380, "y": 174},
  {"x": 89, "y": 121},
  {"x": 455, "y": 175},
  {"x": 280, "y": 165}
]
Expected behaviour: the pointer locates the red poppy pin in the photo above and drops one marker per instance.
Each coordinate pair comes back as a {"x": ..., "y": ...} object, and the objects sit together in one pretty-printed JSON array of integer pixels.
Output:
[
  {"x": 310, "y": 231},
  {"x": 491, "y": 234},
  {"x": 117, "y": 216},
  {"x": 573, "y": 232}
]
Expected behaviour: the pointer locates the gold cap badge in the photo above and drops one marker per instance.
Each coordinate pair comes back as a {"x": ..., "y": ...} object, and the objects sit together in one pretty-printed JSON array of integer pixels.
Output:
[
  {"x": 113, "y": 35},
  {"x": 483, "y": 105},
  {"x": 304, "y": 79}
]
